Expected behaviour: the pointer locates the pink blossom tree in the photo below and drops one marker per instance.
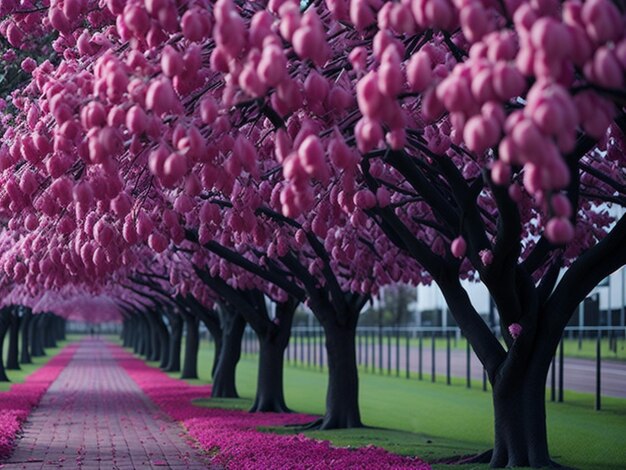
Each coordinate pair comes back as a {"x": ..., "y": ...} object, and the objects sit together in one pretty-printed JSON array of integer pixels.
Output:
[{"x": 330, "y": 148}]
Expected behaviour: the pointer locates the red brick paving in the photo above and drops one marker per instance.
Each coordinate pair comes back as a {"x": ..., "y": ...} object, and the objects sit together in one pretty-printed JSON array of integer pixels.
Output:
[{"x": 94, "y": 416}]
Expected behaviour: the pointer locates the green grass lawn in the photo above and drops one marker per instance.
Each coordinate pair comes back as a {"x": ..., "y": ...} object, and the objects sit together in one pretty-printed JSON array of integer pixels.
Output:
[
  {"x": 436, "y": 421},
  {"x": 18, "y": 376}
]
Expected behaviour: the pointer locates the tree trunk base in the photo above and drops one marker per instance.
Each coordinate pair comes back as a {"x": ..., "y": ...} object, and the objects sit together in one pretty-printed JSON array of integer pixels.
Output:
[
  {"x": 342, "y": 396},
  {"x": 188, "y": 375},
  {"x": 269, "y": 406},
  {"x": 223, "y": 391},
  {"x": 341, "y": 422},
  {"x": 520, "y": 424},
  {"x": 330, "y": 422}
]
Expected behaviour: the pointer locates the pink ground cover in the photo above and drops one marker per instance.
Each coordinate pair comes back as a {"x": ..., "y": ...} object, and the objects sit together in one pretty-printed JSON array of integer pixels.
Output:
[
  {"x": 17, "y": 403},
  {"x": 233, "y": 437}
]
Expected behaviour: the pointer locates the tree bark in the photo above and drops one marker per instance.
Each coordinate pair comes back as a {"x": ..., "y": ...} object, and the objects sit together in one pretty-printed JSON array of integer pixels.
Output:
[
  {"x": 126, "y": 333},
  {"x": 176, "y": 340},
  {"x": 36, "y": 336},
  {"x": 192, "y": 345},
  {"x": 154, "y": 354},
  {"x": 215, "y": 330},
  {"x": 233, "y": 326},
  {"x": 270, "y": 395},
  {"x": 164, "y": 341},
  {"x": 27, "y": 319},
  {"x": 133, "y": 333},
  {"x": 269, "y": 392},
  {"x": 4, "y": 326},
  {"x": 13, "y": 362},
  {"x": 49, "y": 339},
  {"x": 57, "y": 328},
  {"x": 342, "y": 397},
  {"x": 145, "y": 336},
  {"x": 62, "y": 329},
  {"x": 520, "y": 423}
]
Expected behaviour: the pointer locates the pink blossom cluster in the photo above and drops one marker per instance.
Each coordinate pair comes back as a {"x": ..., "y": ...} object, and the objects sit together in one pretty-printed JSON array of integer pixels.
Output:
[
  {"x": 16, "y": 403},
  {"x": 233, "y": 436},
  {"x": 515, "y": 329},
  {"x": 218, "y": 118}
]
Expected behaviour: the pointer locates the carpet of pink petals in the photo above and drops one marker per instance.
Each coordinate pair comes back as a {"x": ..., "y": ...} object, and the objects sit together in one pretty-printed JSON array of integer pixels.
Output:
[
  {"x": 17, "y": 403},
  {"x": 233, "y": 437}
]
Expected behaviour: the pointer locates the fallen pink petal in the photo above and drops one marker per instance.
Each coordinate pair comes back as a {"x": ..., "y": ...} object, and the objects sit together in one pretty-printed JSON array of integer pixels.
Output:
[{"x": 233, "y": 436}]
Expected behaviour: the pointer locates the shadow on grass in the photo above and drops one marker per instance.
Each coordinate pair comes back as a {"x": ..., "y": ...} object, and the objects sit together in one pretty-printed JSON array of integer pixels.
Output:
[{"x": 243, "y": 404}]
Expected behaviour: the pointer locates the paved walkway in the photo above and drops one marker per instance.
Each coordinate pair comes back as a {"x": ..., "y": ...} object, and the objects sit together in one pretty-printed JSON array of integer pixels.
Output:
[{"x": 95, "y": 417}]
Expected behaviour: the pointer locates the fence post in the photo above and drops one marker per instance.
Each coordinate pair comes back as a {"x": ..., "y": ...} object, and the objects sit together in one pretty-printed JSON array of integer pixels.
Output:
[
  {"x": 448, "y": 378},
  {"x": 433, "y": 347},
  {"x": 373, "y": 351},
  {"x": 420, "y": 374},
  {"x": 308, "y": 348},
  {"x": 295, "y": 347},
  {"x": 315, "y": 347},
  {"x": 380, "y": 350},
  {"x": 598, "y": 370},
  {"x": 366, "y": 351},
  {"x": 561, "y": 353},
  {"x": 388, "y": 352},
  {"x": 408, "y": 354},
  {"x": 397, "y": 352},
  {"x": 322, "y": 345},
  {"x": 468, "y": 353},
  {"x": 302, "y": 347},
  {"x": 580, "y": 338}
]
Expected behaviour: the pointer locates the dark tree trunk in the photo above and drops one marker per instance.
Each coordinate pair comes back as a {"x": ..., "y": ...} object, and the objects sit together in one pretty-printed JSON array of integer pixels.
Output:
[
  {"x": 49, "y": 337},
  {"x": 125, "y": 333},
  {"x": 140, "y": 332},
  {"x": 153, "y": 353},
  {"x": 5, "y": 323},
  {"x": 144, "y": 336},
  {"x": 13, "y": 362},
  {"x": 217, "y": 340},
  {"x": 269, "y": 392},
  {"x": 176, "y": 340},
  {"x": 212, "y": 324},
  {"x": 61, "y": 328},
  {"x": 164, "y": 341},
  {"x": 128, "y": 333},
  {"x": 192, "y": 345},
  {"x": 520, "y": 421},
  {"x": 342, "y": 397},
  {"x": 233, "y": 326},
  {"x": 27, "y": 320},
  {"x": 134, "y": 333},
  {"x": 36, "y": 336}
]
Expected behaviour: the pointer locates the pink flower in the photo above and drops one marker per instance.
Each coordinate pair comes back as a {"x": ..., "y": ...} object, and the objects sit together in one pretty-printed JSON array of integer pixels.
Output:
[
  {"x": 234, "y": 432},
  {"x": 16, "y": 404},
  {"x": 486, "y": 256},
  {"x": 515, "y": 329}
]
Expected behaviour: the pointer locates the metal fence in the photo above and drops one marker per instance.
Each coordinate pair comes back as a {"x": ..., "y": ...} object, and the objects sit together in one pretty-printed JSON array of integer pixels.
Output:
[{"x": 433, "y": 353}]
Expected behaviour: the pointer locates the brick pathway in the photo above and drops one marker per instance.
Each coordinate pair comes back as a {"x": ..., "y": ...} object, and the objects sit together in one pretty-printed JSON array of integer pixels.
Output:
[{"x": 95, "y": 417}]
